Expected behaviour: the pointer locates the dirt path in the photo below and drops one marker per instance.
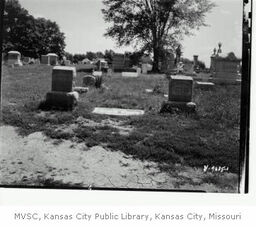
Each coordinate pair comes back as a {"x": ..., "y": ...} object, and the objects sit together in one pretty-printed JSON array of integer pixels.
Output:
[{"x": 35, "y": 159}]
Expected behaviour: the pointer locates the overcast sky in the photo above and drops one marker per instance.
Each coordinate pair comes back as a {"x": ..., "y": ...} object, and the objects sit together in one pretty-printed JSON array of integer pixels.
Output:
[{"x": 83, "y": 24}]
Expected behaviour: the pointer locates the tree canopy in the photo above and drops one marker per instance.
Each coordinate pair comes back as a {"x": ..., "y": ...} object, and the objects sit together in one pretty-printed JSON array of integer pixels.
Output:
[
  {"x": 31, "y": 36},
  {"x": 153, "y": 25}
]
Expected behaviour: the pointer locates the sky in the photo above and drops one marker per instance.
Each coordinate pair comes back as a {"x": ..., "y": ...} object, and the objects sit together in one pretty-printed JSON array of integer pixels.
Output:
[{"x": 83, "y": 25}]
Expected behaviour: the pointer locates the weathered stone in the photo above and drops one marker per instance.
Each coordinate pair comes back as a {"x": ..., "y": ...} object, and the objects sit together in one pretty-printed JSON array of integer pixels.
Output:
[
  {"x": 180, "y": 95},
  {"x": 225, "y": 70},
  {"x": 130, "y": 74},
  {"x": 118, "y": 112},
  {"x": 109, "y": 72},
  {"x": 97, "y": 73},
  {"x": 62, "y": 78},
  {"x": 204, "y": 85},
  {"x": 180, "y": 88},
  {"x": 89, "y": 80},
  {"x": 45, "y": 60},
  {"x": 26, "y": 60},
  {"x": 67, "y": 62},
  {"x": 171, "y": 107},
  {"x": 63, "y": 100},
  {"x": 53, "y": 59},
  {"x": 81, "y": 90},
  {"x": 149, "y": 90},
  {"x": 14, "y": 58}
]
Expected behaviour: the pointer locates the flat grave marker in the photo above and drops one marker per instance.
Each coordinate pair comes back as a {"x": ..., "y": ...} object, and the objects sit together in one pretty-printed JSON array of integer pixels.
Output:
[
  {"x": 130, "y": 74},
  {"x": 118, "y": 112}
]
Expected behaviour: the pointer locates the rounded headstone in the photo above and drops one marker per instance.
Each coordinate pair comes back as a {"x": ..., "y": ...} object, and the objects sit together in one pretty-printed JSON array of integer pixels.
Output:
[{"x": 89, "y": 80}]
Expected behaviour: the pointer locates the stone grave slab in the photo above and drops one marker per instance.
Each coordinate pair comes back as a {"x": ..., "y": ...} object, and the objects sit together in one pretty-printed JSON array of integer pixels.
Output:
[
  {"x": 204, "y": 85},
  {"x": 81, "y": 90},
  {"x": 130, "y": 74},
  {"x": 65, "y": 100},
  {"x": 97, "y": 73},
  {"x": 118, "y": 112},
  {"x": 62, "y": 78},
  {"x": 149, "y": 90}
]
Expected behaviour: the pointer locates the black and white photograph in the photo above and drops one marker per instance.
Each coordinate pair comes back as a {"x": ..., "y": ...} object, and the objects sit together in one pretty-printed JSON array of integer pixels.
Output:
[{"x": 125, "y": 95}]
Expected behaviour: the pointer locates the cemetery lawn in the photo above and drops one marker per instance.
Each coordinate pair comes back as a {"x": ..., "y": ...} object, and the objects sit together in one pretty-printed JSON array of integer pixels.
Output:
[{"x": 209, "y": 137}]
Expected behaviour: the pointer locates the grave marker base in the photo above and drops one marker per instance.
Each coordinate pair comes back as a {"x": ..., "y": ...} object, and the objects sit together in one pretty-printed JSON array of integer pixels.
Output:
[
  {"x": 172, "y": 107},
  {"x": 61, "y": 100}
]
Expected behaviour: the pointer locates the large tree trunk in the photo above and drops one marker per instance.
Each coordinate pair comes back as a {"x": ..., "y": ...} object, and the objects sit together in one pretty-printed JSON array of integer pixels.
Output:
[
  {"x": 156, "y": 52},
  {"x": 156, "y": 60}
]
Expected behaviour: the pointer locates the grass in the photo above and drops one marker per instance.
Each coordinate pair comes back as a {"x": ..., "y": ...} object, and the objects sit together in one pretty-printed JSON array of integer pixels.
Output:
[{"x": 208, "y": 137}]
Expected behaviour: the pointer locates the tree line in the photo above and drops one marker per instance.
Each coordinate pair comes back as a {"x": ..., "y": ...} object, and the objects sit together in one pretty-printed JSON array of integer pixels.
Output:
[{"x": 31, "y": 36}]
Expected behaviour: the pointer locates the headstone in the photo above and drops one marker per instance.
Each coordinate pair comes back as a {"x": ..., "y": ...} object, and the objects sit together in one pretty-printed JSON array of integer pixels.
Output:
[
  {"x": 67, "y": 62},
  {"x": 130, "y": 74},
  {"x": 225, "y": 70},
  {"x": 109, "y": 72},
  {"x": 14, "y": 58},
  {"x": 89, "y": 80},
  {"x": 53, "y": 58},
  {"x": 62, "y": 78},
  {"x": 26, "y": 60},
  {"x": 168, "y": 62},
  {"x": 118, "y": 112},
  {"x": 62, "y": 94},
  {"x": 120, "y": 62},
  {"x": 180, "y": 94},
  {"x": 189, "y": 68},
  {"x": 180, "y": 88},
  {"x": 144, "y": 68},
  {"x": 45, "y": 60}
]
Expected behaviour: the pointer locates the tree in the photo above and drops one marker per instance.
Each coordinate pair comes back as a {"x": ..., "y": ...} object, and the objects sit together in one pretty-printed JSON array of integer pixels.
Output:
[
  {"x": 108, "y": 55},
  {"x": 153, "y": 25},
  {"x": 90, "y": 55},
  {"x": 78, "y": 57},
  {"x": 32, "y": 37}
]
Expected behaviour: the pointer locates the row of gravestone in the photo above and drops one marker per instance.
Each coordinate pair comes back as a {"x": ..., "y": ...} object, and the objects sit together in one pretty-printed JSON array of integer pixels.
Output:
[
  {"x": 14, "y": 58},
  {"x": 63, "y": 92}
]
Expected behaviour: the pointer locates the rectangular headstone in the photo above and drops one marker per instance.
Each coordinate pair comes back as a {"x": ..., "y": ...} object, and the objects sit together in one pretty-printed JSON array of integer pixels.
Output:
[
  {"x": 118, "y": 112},
  {"x": 53, "y": 59},
  {"x": 45, "y": 60},
  {"x": 180, "y": 88},
  {"x": 62, "y": 78}
]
